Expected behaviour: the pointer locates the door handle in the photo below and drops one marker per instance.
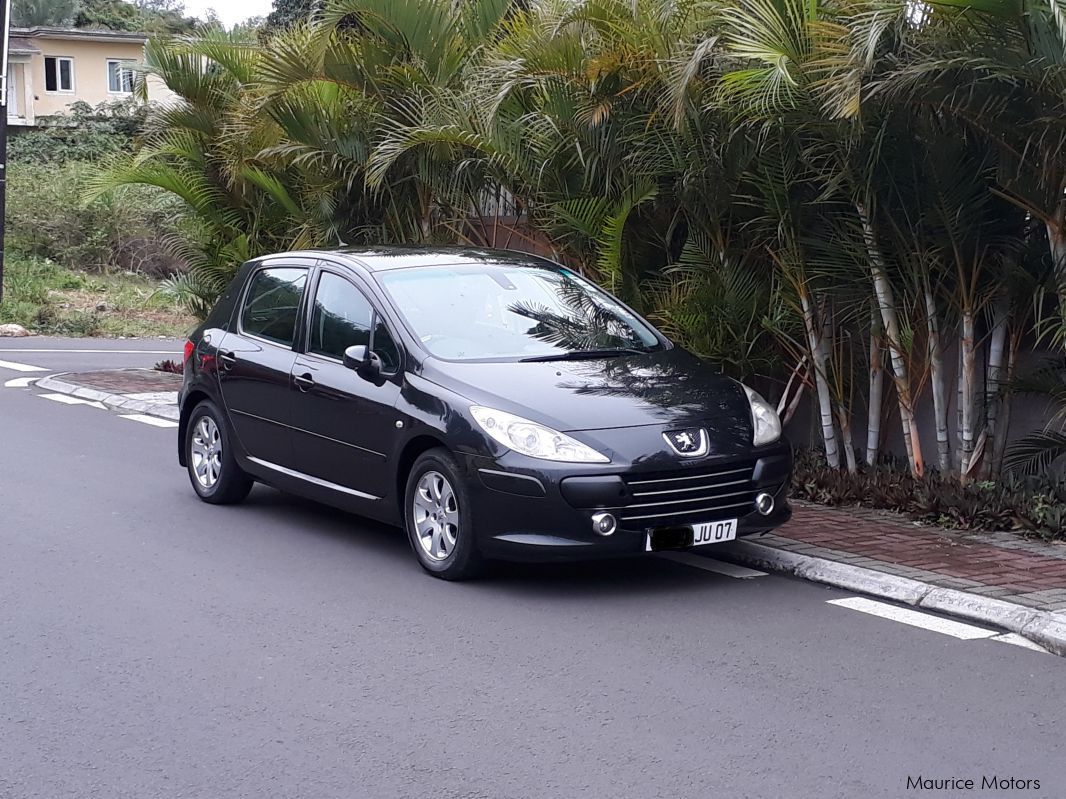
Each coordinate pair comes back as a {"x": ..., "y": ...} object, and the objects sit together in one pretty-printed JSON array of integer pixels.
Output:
[
  {"x": 227, "y": 359},
  {"x": 304, "y": 382}
]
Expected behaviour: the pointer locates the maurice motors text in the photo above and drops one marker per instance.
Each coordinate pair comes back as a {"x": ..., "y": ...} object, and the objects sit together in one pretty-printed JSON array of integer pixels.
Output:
[{"x": 993, "y": 783}]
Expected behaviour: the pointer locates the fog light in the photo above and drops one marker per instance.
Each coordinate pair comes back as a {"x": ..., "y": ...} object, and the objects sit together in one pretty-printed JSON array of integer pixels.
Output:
[
  {"x": 764, "y": 503},
  {"x": 604, "y": 523}
]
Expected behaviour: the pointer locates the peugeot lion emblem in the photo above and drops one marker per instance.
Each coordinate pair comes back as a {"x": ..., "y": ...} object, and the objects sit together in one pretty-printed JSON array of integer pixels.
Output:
[{"x": 688, "y": 443}]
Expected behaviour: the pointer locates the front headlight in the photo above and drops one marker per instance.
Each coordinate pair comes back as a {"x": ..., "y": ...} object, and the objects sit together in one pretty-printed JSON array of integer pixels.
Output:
[
  {"x": 532, "y": 439},
  {"x": 765, "y": 419}
]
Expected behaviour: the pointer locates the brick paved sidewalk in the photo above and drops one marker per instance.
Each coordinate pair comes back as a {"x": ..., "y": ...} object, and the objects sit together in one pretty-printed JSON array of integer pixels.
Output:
[{"x": 1001, "y": 565}]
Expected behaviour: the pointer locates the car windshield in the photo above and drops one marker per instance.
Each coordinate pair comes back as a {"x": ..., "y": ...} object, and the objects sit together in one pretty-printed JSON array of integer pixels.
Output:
[{"x": 502, "y": 311}]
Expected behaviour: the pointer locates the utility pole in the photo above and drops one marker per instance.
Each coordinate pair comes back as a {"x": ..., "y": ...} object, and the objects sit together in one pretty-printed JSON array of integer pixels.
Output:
[{"x": 5, "y": 22}]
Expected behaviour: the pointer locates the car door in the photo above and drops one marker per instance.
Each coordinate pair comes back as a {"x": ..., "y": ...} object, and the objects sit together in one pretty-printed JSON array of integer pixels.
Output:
[
  {"x": 256, "y": 358},
  {"x": 344, "y": 424}
]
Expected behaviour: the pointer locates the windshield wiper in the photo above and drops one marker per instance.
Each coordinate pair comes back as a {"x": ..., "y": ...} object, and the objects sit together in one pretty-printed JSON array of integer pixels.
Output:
[{"x": 586, "y": 355}]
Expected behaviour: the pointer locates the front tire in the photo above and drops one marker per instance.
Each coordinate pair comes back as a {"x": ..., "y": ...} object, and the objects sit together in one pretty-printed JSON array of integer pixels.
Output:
[
  {"x": 213, "y": 471},
  {"x": 438, "y": 518}
]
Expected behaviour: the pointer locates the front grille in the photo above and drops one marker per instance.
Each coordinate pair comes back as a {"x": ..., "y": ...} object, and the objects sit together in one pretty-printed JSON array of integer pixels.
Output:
[{"x": 695, "y": 495}]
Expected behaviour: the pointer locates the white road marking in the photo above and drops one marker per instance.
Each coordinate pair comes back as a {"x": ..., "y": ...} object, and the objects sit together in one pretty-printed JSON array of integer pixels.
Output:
[
  {"x": 20, "y": 382},
  {"x": 113, "y": 352},
  {"x": 1018, "y": 640},
  {"x": 152, "y": 420},
  {"x": 707, "y": 564},
  {"x": 966, "y": 632},
  {"x": 21, "y": 367},
  {"x": 66, "y": 399}
]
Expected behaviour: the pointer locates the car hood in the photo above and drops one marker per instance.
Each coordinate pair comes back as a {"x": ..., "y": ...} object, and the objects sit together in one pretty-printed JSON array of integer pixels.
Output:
[{"x": 666, "y": 388}]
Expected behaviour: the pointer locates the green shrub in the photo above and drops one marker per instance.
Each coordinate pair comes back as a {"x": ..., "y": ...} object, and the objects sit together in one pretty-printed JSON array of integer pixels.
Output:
[
  {"x": 83, "y": 134},
  {"x": 1034, "y": 505},
  {"x": 127, "y": 229}
]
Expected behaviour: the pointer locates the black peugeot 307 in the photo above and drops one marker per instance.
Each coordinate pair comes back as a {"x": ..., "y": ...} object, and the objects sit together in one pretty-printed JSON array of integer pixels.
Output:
[{"x": 496, "y": 405}]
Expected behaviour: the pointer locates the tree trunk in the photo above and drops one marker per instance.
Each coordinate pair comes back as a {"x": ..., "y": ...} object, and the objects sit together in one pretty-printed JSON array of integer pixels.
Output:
[
  {"x": 790, "y": 409},
  {"x": 786, "y": 408},
  {"x": 816, "y": 344},
  {"x": 844, "y": 420},
  {"x": 877, "y": 389},
  {"x": 967, "y": 382},
  {"x": 999, "y": 443},
  {"x": 958, "y": 408},
  {"x": 887, "y": 304},
  {"x": 937, "y": 377},
  {"x": 997, "y": 354}
]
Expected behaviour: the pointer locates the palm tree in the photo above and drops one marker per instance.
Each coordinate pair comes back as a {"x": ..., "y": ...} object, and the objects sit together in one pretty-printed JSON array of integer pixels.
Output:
[
  {"x": 998, "y": 69},
  {"x": 201, "y": 150}
]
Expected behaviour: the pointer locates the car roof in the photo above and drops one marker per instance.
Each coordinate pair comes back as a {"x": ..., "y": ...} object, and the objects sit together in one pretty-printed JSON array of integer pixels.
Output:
[{"x": 382, "y": 259}]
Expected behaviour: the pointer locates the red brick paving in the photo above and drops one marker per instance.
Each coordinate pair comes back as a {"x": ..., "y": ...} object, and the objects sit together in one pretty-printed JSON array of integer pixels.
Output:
[
  {"x": 128, "y": 381},
  {"x": 899, "y": 542}
]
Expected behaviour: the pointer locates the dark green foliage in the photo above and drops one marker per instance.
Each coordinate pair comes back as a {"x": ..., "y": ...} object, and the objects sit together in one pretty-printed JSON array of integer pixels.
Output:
[
  {"x": 287, "y": 13},
  {"x": 144, "y": 17},
  {"x": 1035, "y": 505},
  {"x": 31, "y": 13},
  {"x": 85, "y": 134},
  {"x": 1037, "y": 451}
]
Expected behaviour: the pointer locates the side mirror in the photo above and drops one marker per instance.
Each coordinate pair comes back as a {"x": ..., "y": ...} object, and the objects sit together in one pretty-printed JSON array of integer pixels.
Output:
[
  {"x": 355, "y": 357},
  {"x": 360, "y": 360}
]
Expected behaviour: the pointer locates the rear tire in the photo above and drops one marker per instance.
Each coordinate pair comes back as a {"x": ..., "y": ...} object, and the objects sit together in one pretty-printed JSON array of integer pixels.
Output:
[
  {"x": 439, "y": 520},
  {"x": 215, "y": 476}
]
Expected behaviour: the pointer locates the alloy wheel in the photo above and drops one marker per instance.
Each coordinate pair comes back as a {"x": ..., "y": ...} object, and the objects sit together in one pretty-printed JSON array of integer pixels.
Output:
[
  {"x": 435, "y": 511},
  {"x": 206, "y": 452}
]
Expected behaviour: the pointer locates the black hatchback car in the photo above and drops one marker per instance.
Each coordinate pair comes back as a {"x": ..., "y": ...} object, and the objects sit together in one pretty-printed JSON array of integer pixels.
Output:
[{"x": 496, "y": 405}]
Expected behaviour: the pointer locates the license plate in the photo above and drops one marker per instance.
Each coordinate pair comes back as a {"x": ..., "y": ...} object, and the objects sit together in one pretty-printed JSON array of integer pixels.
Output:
[
  {"x": 714, "y": 532},
  {"x": 695, "y": 535}
]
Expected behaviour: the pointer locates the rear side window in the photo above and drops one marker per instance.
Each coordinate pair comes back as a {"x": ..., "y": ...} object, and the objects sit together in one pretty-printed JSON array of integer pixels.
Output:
[{"x": 273, "y": 303}]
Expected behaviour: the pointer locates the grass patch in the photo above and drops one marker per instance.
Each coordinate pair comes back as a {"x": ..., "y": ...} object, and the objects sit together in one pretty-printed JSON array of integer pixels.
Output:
[{"x": 50, "y": 299}]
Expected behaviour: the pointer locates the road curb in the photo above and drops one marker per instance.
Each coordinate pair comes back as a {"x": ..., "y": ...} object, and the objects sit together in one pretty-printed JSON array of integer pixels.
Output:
[
  {"x": 1039, "y": 626},
  {"x": 116, "y": 402}
]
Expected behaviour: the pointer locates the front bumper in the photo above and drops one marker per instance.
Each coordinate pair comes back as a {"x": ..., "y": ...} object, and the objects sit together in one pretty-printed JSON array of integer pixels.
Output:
[{"x": 541, "y": 511}]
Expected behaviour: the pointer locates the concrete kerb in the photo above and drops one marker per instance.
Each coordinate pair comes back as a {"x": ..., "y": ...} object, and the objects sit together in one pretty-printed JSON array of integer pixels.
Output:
[
  {"x": 116, "y": 402},
  {"x": 1042, "y": 627}
]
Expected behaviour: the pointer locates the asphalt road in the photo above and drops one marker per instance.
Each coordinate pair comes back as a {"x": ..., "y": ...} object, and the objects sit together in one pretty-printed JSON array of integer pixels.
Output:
[{"x": 155, "y": 646}]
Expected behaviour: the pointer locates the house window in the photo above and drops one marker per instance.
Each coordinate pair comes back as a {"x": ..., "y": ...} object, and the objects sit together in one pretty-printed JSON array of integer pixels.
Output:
[
  {"x": 119, "y": 77},
  {"x": 58, "y": 74}
]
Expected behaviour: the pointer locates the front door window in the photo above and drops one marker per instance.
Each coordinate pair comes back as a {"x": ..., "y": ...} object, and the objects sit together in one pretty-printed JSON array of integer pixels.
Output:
[{"x": 341, "y": 318}]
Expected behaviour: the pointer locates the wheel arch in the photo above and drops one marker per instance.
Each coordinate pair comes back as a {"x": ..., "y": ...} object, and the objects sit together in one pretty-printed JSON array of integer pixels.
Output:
[
  {"x": 194, "y": 398},
  {"x": 408, "y": 455}
]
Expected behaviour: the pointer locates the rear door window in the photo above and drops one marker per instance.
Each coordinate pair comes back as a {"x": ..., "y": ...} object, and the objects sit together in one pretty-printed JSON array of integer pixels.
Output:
[{"x": 272, "y": 304}]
